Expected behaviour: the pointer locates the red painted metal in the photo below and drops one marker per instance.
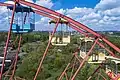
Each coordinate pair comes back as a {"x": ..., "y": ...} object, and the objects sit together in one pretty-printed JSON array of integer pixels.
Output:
[
  {"x": 55, "y": 18},
  {"x": 66, "y": 76},
  {"x": 78, "y": 29},
  {"x": 69, "y": 20},
  {"x": 60, "y": 78},
  {"x": 45, "y": 53},
  {"x": 73, "y": 67},
  {"x": 78, "y": 58},
  {"x": 14, "y": 42},
  {"x": 102, "y": 76},
  {"x": 5, "y": 4},
  {"x": 16, "y": 58},
  {"x": 58, "y": 14},
  {"x": 46, "y": 15},
  {"x": 111, "y": 45},
  {"x": 96, "y": 70},
  {"x": 111, "y": 53},
  {"x": 74, "y": 24},
  {"x": 85, "y": 59},
  {"x": 67, "y": 67},
  {"x": 7, "y": 42}
]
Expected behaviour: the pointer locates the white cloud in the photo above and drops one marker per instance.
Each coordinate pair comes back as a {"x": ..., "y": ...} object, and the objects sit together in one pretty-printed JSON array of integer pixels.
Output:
[
  {"x": 113, "y": 12},
  {"x": 4, "y": 13},
  {"x": 108, "y": 4},
  {"x": 45, "y": 3},
  {"x": 104, "y": 16}
]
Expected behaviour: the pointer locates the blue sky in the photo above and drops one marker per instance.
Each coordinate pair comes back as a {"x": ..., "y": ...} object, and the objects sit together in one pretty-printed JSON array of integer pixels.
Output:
[
  {"x": 99, "y": 15},
  {"x": 68, "y": 4}
]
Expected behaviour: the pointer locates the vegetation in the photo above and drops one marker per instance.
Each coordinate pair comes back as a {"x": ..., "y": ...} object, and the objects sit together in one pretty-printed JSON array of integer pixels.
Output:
[{"x": 34, "y": 45}]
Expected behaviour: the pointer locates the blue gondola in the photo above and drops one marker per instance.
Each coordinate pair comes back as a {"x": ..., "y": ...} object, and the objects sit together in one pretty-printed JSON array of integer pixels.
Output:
[{"x": 23, "y": 22}]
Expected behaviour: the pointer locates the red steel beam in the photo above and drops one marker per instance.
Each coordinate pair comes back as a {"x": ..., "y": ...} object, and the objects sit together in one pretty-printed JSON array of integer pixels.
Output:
[
  {"x": 52, "y": 17},
  {"x": 96, "y": 70},
  {"x": 78, "y": 24},
  {"x": 58, "y": 14},
  {"x": 111, "y": 45},
  {"x": 102, "y": 76},
  {"x": 45, "y": 53},
  {"x": 78, "y": 58},
  {"x": 5, "y": 4},
  {"x": 7, "y": 42},
  {"x": 14, "y": 41},
  {"x": 66, "y": 76},
  {"x": 69, "y": 20},
  {"x": 55, "y": 18},
  {"x": 85, "y": 59},
  {"x": 73, "y": 67},
  {"x": 111, "y": 53},
  {"x": 62, "y": 74},
  {"x": 16, "y": 58}
]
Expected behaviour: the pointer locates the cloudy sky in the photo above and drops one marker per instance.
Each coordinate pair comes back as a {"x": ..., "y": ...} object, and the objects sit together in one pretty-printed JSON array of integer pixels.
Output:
[{"x": 100, "y": 15}]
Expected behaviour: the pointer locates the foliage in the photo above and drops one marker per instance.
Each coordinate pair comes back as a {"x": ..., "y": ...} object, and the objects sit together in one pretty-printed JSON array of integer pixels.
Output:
[{"x": 34, "y": 45}]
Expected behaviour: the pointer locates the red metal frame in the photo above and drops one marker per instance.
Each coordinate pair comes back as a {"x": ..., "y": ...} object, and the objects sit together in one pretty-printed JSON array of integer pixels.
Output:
[
  {"x": 102, "y": 76},
  {"x": 74, "y": 24},
  {"x": 62, "y": 74},
  {"x": 68, "y": 65},
  {"x": 69, "y": 20},
  {"x": 16, "y": 58},
  {"x": 84, "y": 60},
  {"x": 45, "y": 53},
  {"x": 14, "y": 42},
  {"x": 96, "y": 70},
  {"x": 6, "y": 73},
  {"x": 73, "y": 68},
  {"x": 7, "y": 42},
  {"x": 111, "y": 53}
]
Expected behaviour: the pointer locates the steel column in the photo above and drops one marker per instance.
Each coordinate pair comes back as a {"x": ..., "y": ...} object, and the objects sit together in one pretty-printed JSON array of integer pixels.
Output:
[
  {"x": 16, "y": 58},
  {"x": 96, "y": 70},
  {"x": 58, "y": 14},
  {"x": 66, "y": 76},
  {"x": 102, "y": 76},
  {"x": 5, "y": 4},
  {"x": 55, "y": 18},
  {"x": 85, "y": 59},
  {"x": 7, "y": 42},
  {"x": 48, "y": 11},
  {"x": 45, "y": 53},
  {"x": 62, "y": 74},
  {"x": 14, "y": 41},
  {"x": 69, "y": 20},
  {"x": 73, "y": 67},
  {"x": 111, "y": 53}
]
